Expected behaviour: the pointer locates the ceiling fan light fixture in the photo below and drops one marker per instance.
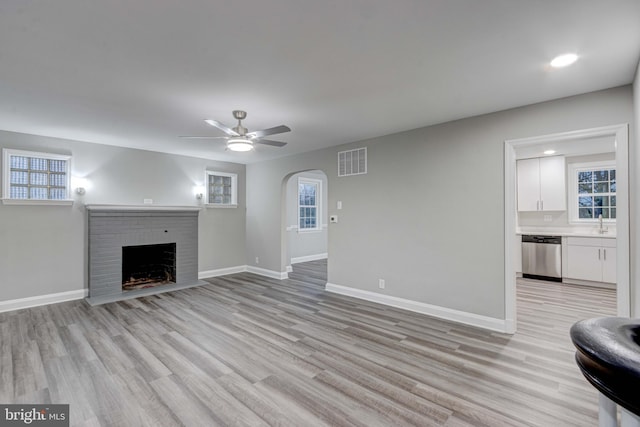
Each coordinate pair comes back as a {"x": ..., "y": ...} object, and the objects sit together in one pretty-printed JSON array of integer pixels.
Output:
[{"x": 239, "y": 144}]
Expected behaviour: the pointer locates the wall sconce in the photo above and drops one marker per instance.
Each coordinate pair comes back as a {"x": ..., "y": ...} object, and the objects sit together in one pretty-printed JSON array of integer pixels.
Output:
[
  {"x": 80, "y": 185},
  {"x": 198, "y": 191}
]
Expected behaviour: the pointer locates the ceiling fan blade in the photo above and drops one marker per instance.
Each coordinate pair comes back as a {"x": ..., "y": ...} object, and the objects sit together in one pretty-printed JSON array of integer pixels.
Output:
[
  {"x": 222, "y": 127},
  {"x": 270, "y": 142},
  {"x": 203, "y": 137},
  {"x": 270, "y": 131}
]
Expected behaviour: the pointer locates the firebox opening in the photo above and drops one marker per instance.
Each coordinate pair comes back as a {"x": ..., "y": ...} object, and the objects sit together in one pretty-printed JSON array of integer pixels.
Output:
[{"x": 147, "y": 266}]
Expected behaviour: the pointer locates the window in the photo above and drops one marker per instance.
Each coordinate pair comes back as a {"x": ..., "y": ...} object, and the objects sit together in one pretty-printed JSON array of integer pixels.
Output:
[
  {"x": 593, "y": 191},
  {"x": 309, "y": 195},
  {"x": 35, "y": 177},
  {"x": 222, "y": 189}
]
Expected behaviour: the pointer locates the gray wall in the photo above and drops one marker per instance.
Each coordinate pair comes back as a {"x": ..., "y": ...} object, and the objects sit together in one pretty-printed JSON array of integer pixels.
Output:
[
  {"x": 301, "y": 244},
  {"x": 429, "y": 215},
  {"x": 43, "y": 248}
]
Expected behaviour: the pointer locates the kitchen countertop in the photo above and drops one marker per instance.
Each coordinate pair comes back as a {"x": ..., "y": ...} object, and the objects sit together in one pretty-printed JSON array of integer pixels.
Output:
[{"x": 611, "y": 234}]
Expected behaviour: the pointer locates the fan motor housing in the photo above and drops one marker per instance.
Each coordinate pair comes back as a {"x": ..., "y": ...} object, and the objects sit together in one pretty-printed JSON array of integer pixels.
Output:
[{"x": 239, "y": 114}]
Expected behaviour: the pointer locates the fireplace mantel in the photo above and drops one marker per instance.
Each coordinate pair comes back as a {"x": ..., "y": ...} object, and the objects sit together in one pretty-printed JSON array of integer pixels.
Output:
[{"x": 93, "y": 207}]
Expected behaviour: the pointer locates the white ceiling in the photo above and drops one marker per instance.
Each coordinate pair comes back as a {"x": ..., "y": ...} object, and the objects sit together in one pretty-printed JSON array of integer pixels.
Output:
[{"x": 140, "y": 73}]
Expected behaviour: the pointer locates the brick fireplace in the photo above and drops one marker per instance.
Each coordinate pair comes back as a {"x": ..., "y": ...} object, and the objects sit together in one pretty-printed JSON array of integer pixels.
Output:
[{"x": 138, "y": 250}]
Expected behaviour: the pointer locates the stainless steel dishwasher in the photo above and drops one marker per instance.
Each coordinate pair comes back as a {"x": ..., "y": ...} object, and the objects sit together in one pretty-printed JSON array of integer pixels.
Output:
[{"x": 542, "y": 257}]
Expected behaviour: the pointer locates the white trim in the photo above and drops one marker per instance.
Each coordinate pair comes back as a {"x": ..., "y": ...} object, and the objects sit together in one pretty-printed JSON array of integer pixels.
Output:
[
  {"x": 472, "y": 319},
  {"x": 297, "y": 260},
  {"x": 20, "y": 303},
  {"x": 39, "y": 202},
  {"x": 219, "y": 206},
  {"x": 621, "y": 134},
  {"x": 268, "y": 273},
  {"x": 234, "y": 189},
  {"x": 317, "y": 206},
  {"x": 295, "y": 228},
  {"x": 572, "y": 183},
  {"x": 244, "y": 269},
  {"x": 221, "y": 271},
  {"x": 141, "y": 208},
  {"x": 6, "y": 173}
]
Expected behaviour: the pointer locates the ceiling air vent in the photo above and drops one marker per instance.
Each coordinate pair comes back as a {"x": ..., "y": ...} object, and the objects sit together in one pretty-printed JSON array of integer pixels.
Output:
[{"x": 352, "y": 162}]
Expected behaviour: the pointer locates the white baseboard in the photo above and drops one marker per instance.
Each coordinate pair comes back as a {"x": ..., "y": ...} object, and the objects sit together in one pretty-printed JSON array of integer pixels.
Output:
[
  {"x": 35, "y": 301},
  {"x": 221, "y": 271},
  {"x": 18, "y": 304},
  {"x": 242, "y": 269},
  {"x": 280, "y": 275},
  {"x": 485, "y": 322},
  {"x": 308, "y": 258}
]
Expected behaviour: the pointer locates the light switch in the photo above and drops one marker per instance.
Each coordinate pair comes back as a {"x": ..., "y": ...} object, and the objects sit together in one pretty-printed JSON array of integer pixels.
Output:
[{"x": 339, "y": 204}]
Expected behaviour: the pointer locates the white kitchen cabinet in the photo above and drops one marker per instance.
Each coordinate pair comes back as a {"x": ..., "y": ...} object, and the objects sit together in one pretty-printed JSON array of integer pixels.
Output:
[
  {"x": 541, "y": 184},
  {"x": 609, "y": 265},
  {"x": 591, "y": 258}
]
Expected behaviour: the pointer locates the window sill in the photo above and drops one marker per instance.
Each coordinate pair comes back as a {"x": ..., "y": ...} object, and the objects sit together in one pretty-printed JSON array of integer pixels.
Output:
[
  {"x": 217, "y": 205},
  {"x": 26, "y": 202},
  {"x": 306, "y": 230},
  {"x": 310, "y": 230}
]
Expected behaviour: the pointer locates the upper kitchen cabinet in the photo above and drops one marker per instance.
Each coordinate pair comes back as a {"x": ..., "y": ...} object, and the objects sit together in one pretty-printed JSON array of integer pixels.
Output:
[{"x": 541, "y": 184}]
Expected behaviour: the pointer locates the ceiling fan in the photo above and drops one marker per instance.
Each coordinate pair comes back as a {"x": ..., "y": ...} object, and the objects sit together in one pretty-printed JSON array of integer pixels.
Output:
[{"x": 239, "y": 138}]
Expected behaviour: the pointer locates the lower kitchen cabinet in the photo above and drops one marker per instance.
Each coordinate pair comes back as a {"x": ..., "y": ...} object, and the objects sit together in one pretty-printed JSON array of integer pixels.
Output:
[{"x": 591, "y": 258}]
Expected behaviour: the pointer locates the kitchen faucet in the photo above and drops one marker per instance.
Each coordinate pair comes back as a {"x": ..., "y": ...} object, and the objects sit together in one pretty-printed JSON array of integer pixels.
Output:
[{"x": 602, "y": 229}]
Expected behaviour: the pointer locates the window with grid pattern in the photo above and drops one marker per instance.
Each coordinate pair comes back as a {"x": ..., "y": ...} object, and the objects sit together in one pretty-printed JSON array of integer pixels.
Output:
[
  {"x": 35, "y": 176},
  {"x": 309, "y": 195},
  {"x": 593, "y": 192},
  {"x": 222, "y": 188}
]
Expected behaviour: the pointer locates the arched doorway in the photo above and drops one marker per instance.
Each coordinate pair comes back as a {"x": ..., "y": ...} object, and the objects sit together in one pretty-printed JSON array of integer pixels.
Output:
[{"x": 305, "y": 226}]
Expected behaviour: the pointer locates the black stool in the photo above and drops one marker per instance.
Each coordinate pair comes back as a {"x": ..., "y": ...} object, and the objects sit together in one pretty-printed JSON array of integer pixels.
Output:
[{"x": 609, "y": 357}]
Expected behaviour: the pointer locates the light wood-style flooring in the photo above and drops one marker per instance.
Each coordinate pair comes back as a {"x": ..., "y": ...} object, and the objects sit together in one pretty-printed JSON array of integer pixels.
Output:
[{"x": 248, "y": 350}]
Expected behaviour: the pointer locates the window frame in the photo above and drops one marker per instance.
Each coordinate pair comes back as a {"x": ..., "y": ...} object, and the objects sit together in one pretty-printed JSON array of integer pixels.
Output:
[
  {"x": 318, "y": 204},
  {"x": 7, "y": 153},
  {"x": 234, "y": 189},
  {"x": 573, "y": 169}
]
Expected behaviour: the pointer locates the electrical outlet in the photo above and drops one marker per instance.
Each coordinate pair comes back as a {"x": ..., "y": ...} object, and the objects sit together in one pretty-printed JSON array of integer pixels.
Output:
[
  {"x": 257, "y": 260},
  {"x": 548, "y": 218},
  {"x": 148, "y": 201},
  {"x": 381, "y": 283}
]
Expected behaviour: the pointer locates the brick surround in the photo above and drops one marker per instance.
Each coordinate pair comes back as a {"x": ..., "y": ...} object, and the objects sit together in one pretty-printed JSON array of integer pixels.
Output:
[{"x": 111, "y": 228}]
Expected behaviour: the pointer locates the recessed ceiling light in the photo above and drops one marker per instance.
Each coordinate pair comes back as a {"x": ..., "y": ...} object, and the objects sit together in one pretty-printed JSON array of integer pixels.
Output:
[
  {"x": 547, "y": 152},
  {"x": 564, "y": 60}
]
